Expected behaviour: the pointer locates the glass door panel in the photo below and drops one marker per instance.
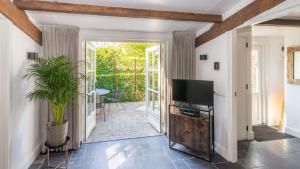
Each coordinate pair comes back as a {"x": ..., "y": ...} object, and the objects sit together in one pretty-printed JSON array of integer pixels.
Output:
[
  {"x": 153, "y": 86},
  {"x": 90, "y": 72},
  {"x": 257, "y": 113}
]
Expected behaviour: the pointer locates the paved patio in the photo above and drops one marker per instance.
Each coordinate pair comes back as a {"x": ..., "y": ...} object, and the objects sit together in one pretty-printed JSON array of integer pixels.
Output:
[{"x": 122, "y": 124}]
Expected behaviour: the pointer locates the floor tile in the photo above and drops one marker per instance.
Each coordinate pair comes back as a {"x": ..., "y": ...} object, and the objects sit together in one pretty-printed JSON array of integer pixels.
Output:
[{"x": 153, "y": 153}]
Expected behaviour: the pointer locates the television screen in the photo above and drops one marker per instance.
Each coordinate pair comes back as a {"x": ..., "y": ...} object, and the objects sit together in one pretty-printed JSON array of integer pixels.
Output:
[{"x": 193, "y": 91}]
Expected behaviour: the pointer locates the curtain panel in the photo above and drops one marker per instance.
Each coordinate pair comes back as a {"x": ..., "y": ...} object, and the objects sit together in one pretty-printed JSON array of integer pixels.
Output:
[
  {"x": 63, "y": 40},
  {"x": 183, "y": 55}
]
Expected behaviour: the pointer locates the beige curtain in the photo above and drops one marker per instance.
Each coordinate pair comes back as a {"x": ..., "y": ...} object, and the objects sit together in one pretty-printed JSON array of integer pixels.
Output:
[
  {"x": 64, "y": 40},
  {"x": 183, "y": 55}
]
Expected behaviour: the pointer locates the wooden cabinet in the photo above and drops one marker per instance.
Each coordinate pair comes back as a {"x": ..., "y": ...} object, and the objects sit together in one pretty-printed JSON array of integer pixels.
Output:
[
  {"x": 195, "y": 133},
  {"x": 190, "y": 131}
]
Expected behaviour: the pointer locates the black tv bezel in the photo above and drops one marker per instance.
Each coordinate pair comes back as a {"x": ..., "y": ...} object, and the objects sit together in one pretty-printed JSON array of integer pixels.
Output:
[{"x": 211, "y": 99}]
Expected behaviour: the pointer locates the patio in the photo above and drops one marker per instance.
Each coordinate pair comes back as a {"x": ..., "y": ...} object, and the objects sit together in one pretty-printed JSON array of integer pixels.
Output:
[{"x": 122, "y": 124}]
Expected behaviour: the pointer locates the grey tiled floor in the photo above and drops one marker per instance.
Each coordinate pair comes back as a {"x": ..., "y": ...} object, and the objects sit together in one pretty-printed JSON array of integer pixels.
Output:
[
  {"x": 122, "y": 124},
  {"x": 153, "y": 153}
]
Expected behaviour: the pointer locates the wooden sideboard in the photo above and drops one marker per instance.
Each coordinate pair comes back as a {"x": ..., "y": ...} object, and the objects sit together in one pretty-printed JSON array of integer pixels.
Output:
[{"x": 195, "y": 133}]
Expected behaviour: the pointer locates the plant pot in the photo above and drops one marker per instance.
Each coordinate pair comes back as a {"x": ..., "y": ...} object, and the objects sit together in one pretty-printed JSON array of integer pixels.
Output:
[{"x": 56, "y": 135}]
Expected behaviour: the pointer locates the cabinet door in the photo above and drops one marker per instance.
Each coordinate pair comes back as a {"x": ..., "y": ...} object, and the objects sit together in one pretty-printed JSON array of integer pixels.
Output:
[{"x": 190, "y": 132}]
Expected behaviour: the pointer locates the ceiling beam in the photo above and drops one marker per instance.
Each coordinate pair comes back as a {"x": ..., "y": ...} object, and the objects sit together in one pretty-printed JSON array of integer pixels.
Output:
[
  {"x": 20, "y": 19},
  {"x": 250, "y": 11},
  {"x": 281, "y": 22},
  {"x": 46, "y": 6}
]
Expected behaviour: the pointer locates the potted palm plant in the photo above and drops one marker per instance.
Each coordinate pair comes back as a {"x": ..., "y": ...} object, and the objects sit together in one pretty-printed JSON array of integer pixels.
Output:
[{"x": 55, "y": 82}]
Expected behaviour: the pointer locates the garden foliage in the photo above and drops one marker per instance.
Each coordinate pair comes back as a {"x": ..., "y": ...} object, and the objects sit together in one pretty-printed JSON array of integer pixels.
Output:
[{"x": 121, "y": 66}]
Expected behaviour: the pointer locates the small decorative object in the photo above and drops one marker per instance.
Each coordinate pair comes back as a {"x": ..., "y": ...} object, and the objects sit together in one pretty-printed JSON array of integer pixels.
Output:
[
  {"x": 55, "y": 82},
  {"x": 203, "y": 57},
  {"x": 32, "y": 55},
  {"x": 216, "y": 65}
]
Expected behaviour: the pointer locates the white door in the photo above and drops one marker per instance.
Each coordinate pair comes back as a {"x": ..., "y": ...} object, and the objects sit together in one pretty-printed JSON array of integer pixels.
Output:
[
  {"x": 243, "y": 87},
  {"x": 90, "y": 95},
  {"x": 256, "y": 66},
  {"x": 153, "y": 86}
]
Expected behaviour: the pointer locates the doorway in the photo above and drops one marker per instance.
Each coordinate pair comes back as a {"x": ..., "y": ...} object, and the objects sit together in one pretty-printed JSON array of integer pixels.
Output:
[
  {"x": 260, "y": 84},
  {"x": 258, "y": 113},
  {"x": 123, "y": 90},
  {"x": 267, "y": 84}
]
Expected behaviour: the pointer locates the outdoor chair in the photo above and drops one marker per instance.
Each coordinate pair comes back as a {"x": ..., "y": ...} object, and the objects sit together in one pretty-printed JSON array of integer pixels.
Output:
[
  {"x": 101, "y": 106},
  {"x": 115, "y": 97}
]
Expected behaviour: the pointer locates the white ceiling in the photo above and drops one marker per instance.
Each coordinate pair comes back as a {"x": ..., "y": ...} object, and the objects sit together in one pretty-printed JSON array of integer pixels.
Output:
[
  {"x": 135, "y": 24},
  {"x": 91, "y": 22},
  {"x": 203, "y": 6}
]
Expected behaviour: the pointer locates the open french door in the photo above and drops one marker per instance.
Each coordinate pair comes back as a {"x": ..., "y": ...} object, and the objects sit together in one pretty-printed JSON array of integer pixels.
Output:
[
  {"x": 153, "y": 86},
  {"x": 90, "y": 88}
]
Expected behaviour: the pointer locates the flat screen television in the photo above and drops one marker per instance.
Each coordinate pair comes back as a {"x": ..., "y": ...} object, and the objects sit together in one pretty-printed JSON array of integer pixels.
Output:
[{"x": 193, "y": 91}]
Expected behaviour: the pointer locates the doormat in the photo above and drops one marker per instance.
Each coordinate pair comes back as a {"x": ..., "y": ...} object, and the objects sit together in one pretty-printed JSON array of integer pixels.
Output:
[{"x": 266, "y": 133}]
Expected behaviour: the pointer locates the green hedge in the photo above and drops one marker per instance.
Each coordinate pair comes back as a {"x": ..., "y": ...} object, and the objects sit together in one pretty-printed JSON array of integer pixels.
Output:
[{"x": 118, "y": 65}]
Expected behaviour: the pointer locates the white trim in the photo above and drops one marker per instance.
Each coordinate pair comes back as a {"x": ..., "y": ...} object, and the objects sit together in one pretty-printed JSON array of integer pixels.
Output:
[
  {"x": 292, "y": 131},
  {"x": 231, "y": 152},
  {"x": 31, "y": 157}
]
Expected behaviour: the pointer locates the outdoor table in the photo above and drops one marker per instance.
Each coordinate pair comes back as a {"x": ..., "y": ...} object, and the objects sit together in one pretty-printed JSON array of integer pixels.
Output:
[{"x": 102, "y": 92}]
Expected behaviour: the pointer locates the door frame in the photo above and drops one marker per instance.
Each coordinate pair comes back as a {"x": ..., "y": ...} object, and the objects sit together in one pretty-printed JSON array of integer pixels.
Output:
[
  {"x": 247, "y": 34},
  {"x": 142, "y": 37}
]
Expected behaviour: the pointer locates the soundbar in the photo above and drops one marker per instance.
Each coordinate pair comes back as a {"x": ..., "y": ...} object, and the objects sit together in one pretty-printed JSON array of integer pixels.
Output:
[{"x": 190, "y": 112}]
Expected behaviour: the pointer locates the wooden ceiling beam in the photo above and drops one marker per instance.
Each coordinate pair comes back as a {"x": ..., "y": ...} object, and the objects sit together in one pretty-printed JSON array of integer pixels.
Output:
[
  {"x": 281, "y": 22},
  {"x": 250, "y": 11},
  {"x": 20, "y": 19},
  {"x": 46, "y": 6}
]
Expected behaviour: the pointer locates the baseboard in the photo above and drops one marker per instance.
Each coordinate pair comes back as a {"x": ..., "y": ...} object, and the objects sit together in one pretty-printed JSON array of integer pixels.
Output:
[
  {"x": 31, "y": 157},
  {"x": 292, "y": 131},
  {"x": 250, "y": 135},
  {"x": 222, "y": 151}
]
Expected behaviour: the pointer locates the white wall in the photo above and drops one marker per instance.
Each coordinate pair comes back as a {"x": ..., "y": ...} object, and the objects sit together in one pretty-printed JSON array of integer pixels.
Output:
[
  {"x": 23, "y": 121},
  {"x": 273, "y": 75},
  {"x": 5, "y": 95},
  {"x": 218, "y": 50},
  {"x": 291, "y": 92}
]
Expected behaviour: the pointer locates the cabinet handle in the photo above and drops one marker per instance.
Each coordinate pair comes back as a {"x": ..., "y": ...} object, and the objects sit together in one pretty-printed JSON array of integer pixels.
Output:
[{"x": 187, "y": 132}]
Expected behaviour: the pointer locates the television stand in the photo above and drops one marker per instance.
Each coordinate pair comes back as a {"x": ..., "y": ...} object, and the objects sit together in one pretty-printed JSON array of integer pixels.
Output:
[{"x": 193, "y": 135}]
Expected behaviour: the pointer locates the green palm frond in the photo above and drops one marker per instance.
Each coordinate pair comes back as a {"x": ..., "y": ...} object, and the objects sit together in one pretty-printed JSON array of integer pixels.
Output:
[{"x": 56, "y": 81}]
